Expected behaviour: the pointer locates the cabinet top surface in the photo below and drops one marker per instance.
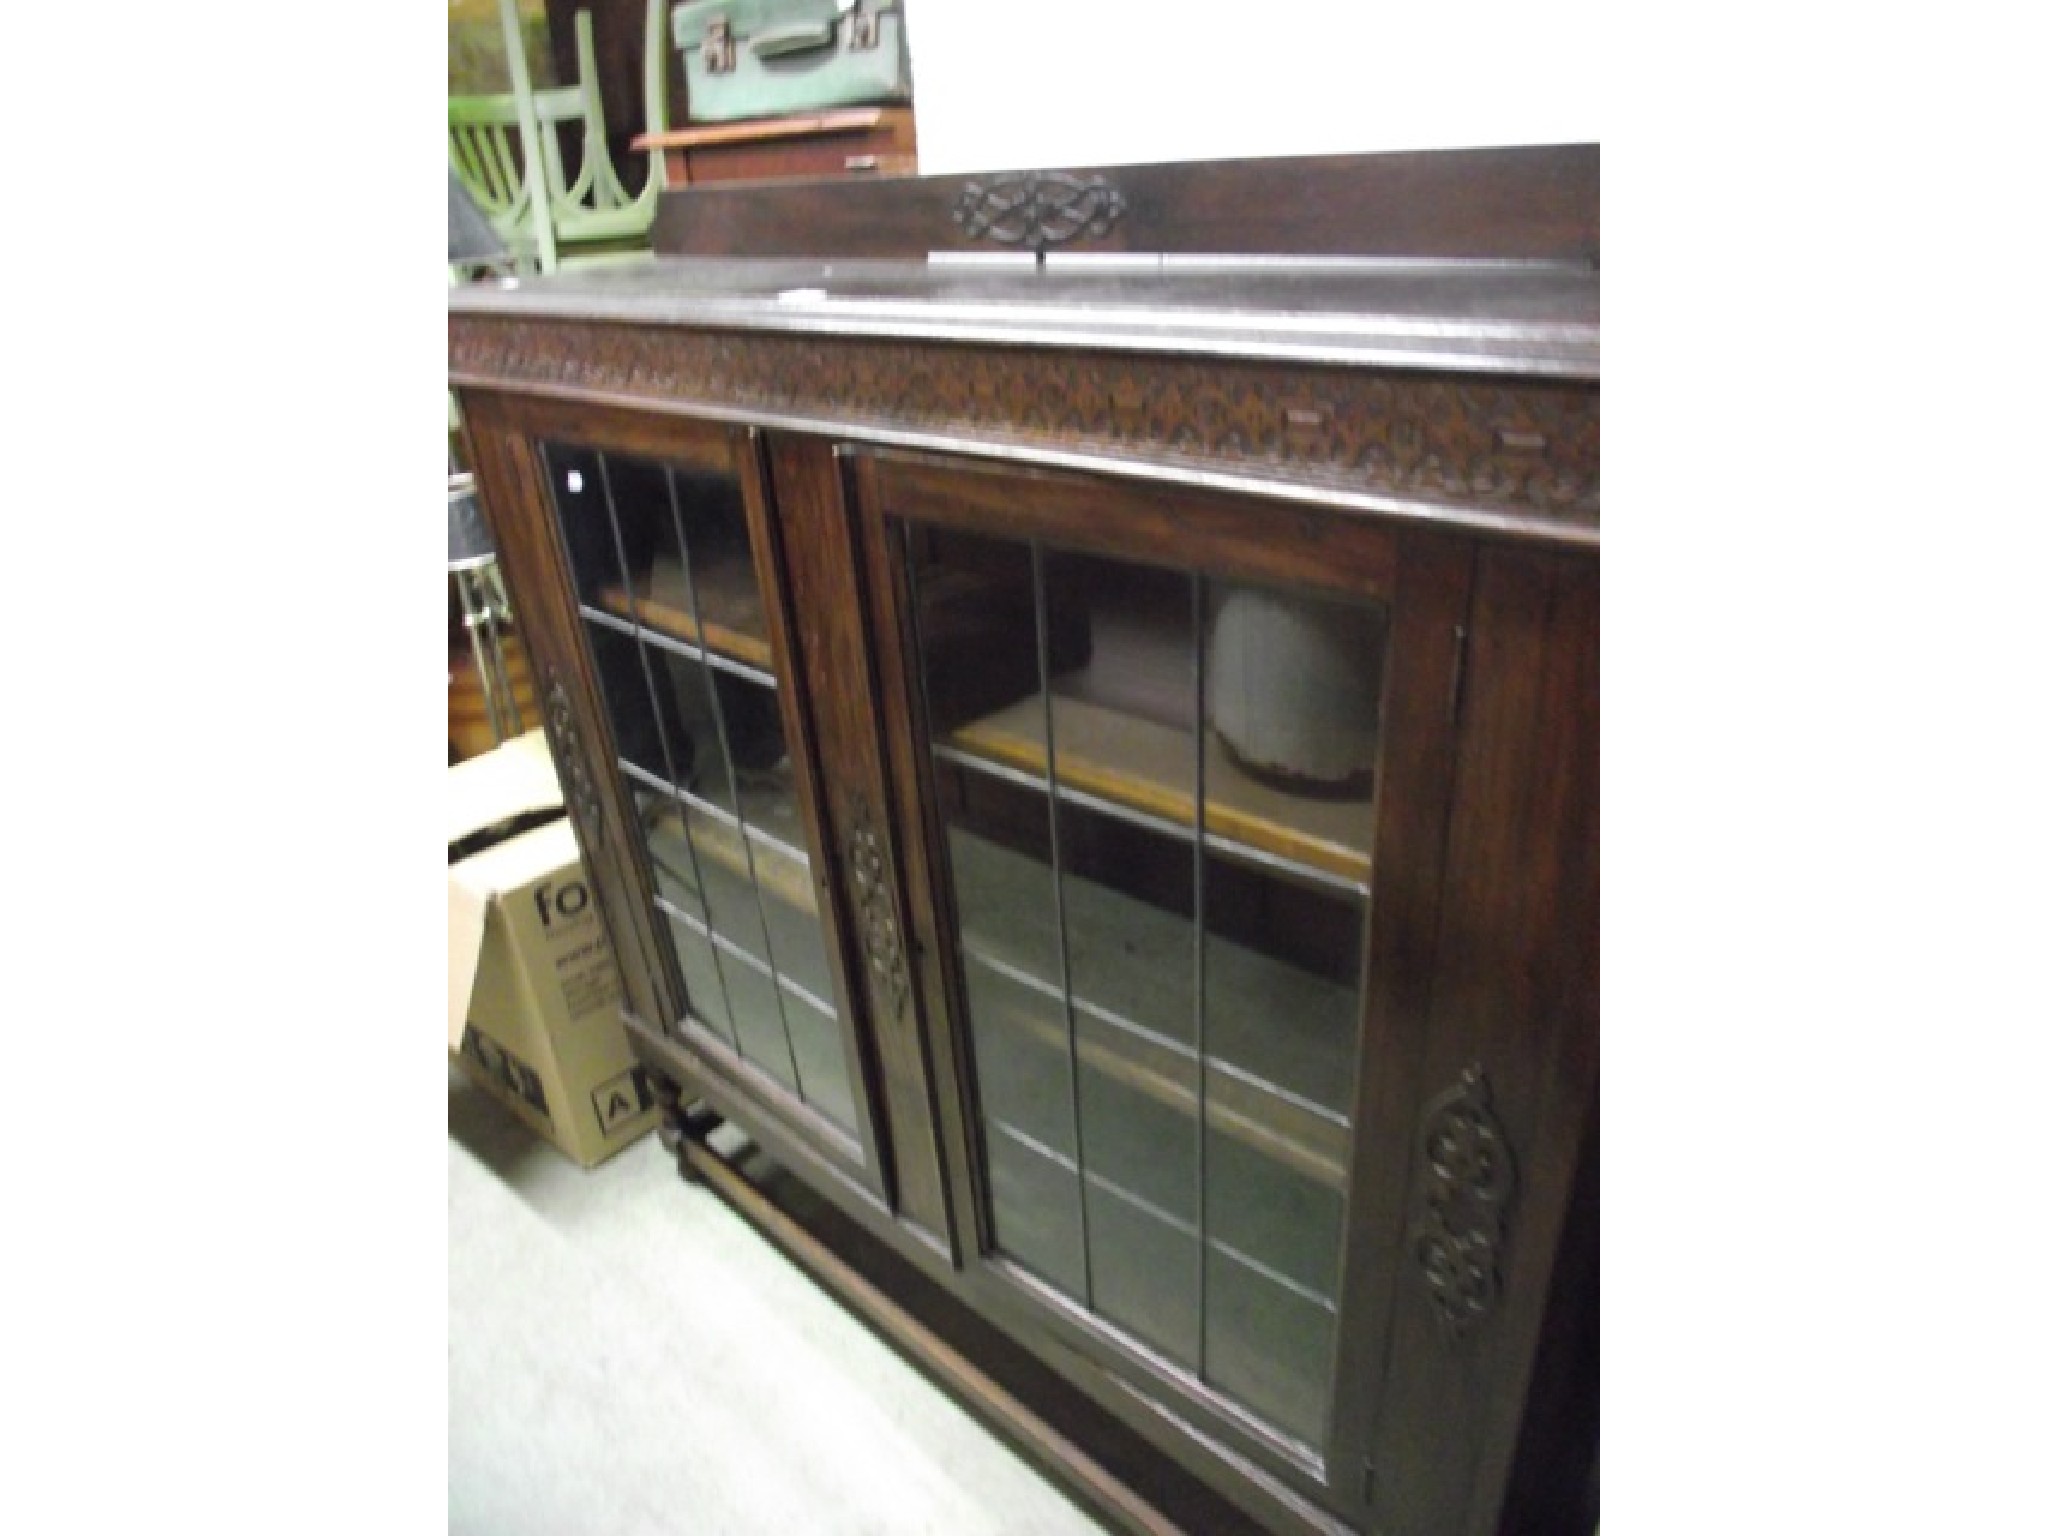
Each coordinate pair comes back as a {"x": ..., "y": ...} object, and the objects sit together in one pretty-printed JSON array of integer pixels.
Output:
[{"x": 1539, "y": 318}]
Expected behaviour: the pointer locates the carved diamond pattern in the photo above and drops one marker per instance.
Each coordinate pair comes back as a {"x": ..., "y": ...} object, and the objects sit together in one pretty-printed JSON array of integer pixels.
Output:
[{"x": 1524, "y": 445}]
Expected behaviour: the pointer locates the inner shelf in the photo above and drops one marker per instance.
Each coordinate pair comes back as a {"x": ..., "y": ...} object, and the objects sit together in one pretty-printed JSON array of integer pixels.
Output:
[
  {"x": 726, "y": 618},
  {"x": 1277, "y": 1040},
  {"x": 1142, "y": 766}
]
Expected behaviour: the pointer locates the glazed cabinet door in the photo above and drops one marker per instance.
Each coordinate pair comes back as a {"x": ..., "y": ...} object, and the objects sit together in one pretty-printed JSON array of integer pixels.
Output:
[
  {"x": 1173, "y": 770},
  {"x": 654, "y": 541}
]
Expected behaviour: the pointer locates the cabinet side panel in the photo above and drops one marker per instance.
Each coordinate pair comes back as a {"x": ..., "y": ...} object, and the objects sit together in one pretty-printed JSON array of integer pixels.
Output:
[
  {"x": 861, "y": 842},
  {"x": 514, "y": 495},
  {"x": 1511, "y": 1077},
  {"x": 1432, "y": 598}
]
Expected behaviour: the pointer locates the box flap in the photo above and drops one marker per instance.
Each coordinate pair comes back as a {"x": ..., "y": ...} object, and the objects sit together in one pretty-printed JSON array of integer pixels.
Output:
[
  {"x": 512, "y": 780},
  {"x": 468, "y": 910},
  {"x": 505, "y": 782},
  {"x": 480, "y": 880}
]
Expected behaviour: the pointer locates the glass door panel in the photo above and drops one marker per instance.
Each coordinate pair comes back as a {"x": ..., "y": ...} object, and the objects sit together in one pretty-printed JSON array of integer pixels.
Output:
[
  {"x": 1156, "y": 793},
  {"x": 673, "y": 616}
]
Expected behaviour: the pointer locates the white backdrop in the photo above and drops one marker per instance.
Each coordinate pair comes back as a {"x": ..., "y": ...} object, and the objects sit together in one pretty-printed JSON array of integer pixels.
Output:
[{"x": 1096, "y": 82}]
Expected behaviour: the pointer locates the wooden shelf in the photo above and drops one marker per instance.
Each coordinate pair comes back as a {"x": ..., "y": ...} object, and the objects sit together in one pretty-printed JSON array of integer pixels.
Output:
[
  {"x": 856, "y": 140},
  {"x": 1279, "y": 1041},
  {"x": 720, "y": 847},
  {"x": 795, "y": 126},
  {"x": 729, "y": 608},
  {"x": 1149, "y": 768}
]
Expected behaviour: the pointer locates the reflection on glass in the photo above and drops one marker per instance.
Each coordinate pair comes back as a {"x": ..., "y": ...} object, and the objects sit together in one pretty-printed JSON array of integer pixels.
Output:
[
  {"x": 756, "y": 1004},
  {"x": 1020, "y": 1032},
  {"x": 577, "y": 485},
  {"x": 1035, "y": 1203},
  {"x": 1128, "y": 903},
  {"x": 731, "y": 902},
  {"x": 1269, "y": 1344},
  {"x": 820, "y": 1056},
  {"x": 685, "y": 706},
  {"x": 622, "y": 685},
  {"x": 668, "y": 851},
  {"x": 698, "y": 962},
  {"x": 1143, "y": 1270},
  {"x": 1138, "y": 1132},
  {"x": 665, "y": 578},
  {"x": 1157, "y": 796},
  {"x": 791, "y": 915}
]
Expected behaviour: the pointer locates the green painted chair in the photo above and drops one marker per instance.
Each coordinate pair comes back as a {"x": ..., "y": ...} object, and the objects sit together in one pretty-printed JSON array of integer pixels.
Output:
[{"x": 508, "y": 150}]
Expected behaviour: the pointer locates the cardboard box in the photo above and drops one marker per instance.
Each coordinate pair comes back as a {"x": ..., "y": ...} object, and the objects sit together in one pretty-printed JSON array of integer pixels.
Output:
[{"x": 533, "y": 991}]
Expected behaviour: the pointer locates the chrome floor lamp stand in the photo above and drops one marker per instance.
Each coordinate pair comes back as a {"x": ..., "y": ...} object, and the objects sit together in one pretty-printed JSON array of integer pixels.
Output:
[{"x": 473, "y": 562}]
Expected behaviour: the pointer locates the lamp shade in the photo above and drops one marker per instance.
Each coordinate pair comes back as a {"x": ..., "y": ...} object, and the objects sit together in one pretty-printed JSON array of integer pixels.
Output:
[{"x": 469, "y": 540}]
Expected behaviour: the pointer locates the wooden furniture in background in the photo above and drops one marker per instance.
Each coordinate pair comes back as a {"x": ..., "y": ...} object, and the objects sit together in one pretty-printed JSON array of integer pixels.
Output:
[
  {"x": 471, "y": 730},
  {"x": 850, "y": 141},
  {"x": 1224, "y": 1135},
  {"x": 537, "y": 161}
]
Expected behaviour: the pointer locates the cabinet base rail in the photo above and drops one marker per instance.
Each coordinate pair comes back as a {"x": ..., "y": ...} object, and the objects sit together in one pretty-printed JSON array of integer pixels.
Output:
[{"x": 1015, "y": 1397}]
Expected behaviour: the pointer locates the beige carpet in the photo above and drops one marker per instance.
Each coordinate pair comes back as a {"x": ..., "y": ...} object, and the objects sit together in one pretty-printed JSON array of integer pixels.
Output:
[{"x": 626, "y": 1355}]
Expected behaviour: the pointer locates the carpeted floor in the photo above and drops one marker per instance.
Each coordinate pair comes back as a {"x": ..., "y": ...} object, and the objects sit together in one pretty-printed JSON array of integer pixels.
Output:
[{"x": 625, "y": 1356}]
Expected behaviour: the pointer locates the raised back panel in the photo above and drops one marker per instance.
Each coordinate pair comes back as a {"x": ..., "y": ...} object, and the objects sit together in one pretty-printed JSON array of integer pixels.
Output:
[{"x": 1532, "y": 204}]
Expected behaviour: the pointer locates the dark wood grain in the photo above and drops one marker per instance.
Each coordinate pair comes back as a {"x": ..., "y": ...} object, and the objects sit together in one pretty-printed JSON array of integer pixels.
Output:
[
  {"x": 1419, "y": 733},
  {"x": 903, "y": 732},
  {"x": 1516, "y": 993},
  {"x": 1435, "y": 441},
  {"x": 829, "y": 620},
  {"x": 512, "y": 489},
  {"x": 1460, "y": 487},
  {"x": 1515, "y": 203},
  {"x": 708, "y": 445},
  {"x": 1555, "y": 1487},
  {"x": 1295, "y": 545},
  {"x": 1427, "y": 578},
  {"x": 799, "y": 703}
]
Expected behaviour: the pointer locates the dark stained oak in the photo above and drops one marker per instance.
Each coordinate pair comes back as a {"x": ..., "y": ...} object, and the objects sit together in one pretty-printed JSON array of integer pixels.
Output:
[
  {"x": 828, "y": 619},
  {"x": 1418, "y": 431},
  {"x": 1526, "y": 204},
  {"x": 512, "y": 490},
  {"x": 1516, "y": 994},
  {"x": 1294, "y": 545}
]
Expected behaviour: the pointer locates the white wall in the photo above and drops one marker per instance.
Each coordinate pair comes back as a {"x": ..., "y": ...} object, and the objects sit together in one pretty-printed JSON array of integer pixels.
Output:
[{"x": 1038, "y": 83}]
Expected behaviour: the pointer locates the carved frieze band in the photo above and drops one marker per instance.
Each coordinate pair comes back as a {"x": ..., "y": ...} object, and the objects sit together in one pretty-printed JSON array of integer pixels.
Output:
[
  {"x": 1038, "y": 209},
  {"x": 1468, "y": 1177},
  {"x": 880, "y": 937},
  {"x": 577, "y": 786},
  {"x": 1513, "y": 446}
]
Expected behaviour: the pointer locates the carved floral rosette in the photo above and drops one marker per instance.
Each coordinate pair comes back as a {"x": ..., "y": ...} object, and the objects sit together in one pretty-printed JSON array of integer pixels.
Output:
[
  {"x": 881, "y": 938},
  {"x": 1468, "y": 1175}
]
